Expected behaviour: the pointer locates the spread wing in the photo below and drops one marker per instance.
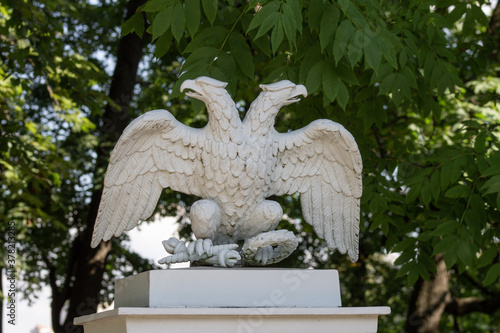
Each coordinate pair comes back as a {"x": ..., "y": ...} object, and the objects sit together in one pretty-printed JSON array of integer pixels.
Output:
[
  {"x": 322, "y": 162},
  {"x": 154, "y": 152}
]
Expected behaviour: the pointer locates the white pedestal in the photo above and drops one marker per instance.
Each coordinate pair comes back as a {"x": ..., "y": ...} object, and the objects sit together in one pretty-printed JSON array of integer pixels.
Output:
[
  {"x": 236, "y": 287},
  {"x": 231, "y": 300}
]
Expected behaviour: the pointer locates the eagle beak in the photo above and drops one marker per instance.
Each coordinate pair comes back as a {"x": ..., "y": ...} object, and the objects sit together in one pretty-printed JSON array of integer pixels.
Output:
[
  {"x": 194, "y": 89},
  {"x": 301, "y": 90},
  {"x": 294, "y": 96}
]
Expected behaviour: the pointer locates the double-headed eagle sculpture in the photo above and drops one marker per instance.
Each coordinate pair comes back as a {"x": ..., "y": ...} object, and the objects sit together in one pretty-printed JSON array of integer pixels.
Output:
[{"x": 235, "y": 166}]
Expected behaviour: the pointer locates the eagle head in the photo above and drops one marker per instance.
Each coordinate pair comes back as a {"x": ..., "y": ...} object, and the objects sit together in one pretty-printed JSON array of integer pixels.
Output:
[
  {"x": 284, "y": 92},
  {"x": 204, "y": 88}
]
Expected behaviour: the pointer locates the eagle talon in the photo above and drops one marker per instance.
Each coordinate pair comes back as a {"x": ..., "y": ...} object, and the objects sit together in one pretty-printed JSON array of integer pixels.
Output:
[
  {"x": 173, "y": 245},
  {"x": 201, "y": 250},
  {"x": 269, "y": 247}
]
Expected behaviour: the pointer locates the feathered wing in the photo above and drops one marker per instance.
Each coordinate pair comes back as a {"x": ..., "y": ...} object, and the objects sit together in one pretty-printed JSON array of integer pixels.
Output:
[
  {"x": 154, "y": 152},
  {"x": 322, "y": 162}
]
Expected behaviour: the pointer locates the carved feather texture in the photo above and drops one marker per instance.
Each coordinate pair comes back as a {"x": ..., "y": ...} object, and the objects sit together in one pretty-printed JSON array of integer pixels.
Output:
[
  {"x": 152, "y": 153},
  {"x": 329, "y": 180},
  {"x": 238, "y": 165}
]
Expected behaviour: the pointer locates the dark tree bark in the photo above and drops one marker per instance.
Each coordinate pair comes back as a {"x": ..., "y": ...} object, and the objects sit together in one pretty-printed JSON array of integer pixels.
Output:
[
  {"x": 494, "y": 30},
  {"x": 84, "y": 277},
  {"x": 463, "y": 306},
  {"x": 428, "y": 301},
  {"x": 1, "y": 290}
]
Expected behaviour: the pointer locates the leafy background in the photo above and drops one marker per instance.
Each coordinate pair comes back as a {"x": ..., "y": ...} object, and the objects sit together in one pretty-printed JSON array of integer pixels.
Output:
[{"x": 415, "y": 82}]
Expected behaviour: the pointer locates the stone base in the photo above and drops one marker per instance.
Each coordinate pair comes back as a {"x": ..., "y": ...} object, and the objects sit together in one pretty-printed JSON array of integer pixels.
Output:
[
  {"x": 236, "y": 287},
  {"x": 243, "y": 300},
  {"x": 234, "y": 320}
]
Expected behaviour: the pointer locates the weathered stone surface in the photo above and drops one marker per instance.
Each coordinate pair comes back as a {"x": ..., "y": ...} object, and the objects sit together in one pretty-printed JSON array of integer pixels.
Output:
[{"x": 238, "y": 287}]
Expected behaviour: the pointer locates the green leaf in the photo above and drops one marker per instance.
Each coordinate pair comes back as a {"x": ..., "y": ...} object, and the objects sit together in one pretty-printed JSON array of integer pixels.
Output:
[
  {"x": 263, "y": 14},
  {"x": 277, "y": 36},
  {"x": 313, "y": 80},
  {"x": 296, "y": 10},
  {"x": 178, "y": 21},
  {"x": 412, "y": 194},
  {"x": 228, "y": 66},
  {"x": 480, "y": 142},
  {"x": 202, "y": 56},
  {"x": 355, "y": 48},
  {"x": 161, "y": 22},
  {"x": 457, "y": 12},
  {"x": 267, "y": 24},
  {"x": 405, "y": 244},
  {"x": 210, "y": 9},
  {"x": 331, "y": 83},
  {"x": 389, "y": 45},
  {"x": 132, "y": 24},
  {"x": 492, "y": 185},
  {"x": 450, "y": 259},
  {"x": 492, "y": 274},
  {"x": 403, "y": 58},
  {"x": 163, "y": 44},
  {"x": 193, "y": 16},
  {"x": 479, "y": 15},
  {"x": 155, "y": 5},
  {"x": 435, "y": 186},
  {"x": 346, "y": 74},
  {"x": 425, "y": 193},
  {"x": 276, "y": 74},
  {"x": 213, "y": 36},
  {"x": 423, "y": 271},
  {"x": 388, "y": 83},
  {"x": 445, "y": 179},
  {"x": 405, "y": 257},
  {"x": 464, "y": 253},
  {"x": 349, "y": 7},
  {"x": 263, "y": 44},
  {"x": 446, "y": 228},
  {"x": 242, "y": 54},
  {"x": 373, "y": 50},
  {"x": 492, "y": 170},
  {"x": 458, "y": 191},
  {"x": 342, "y": 37},
  {"x": 488, "y": 256},
  {"x": 289, "y": 25},
  {"x": 413, "y": 276},
  {"x": 315, "y": 13},
  {"x": 56, "y": 179},
  {"x": 313, "y": 55},
  {"x": 378, "y": 205},
  {"x": 329, "y": 23},
  {"x": 343, "y": 95}
]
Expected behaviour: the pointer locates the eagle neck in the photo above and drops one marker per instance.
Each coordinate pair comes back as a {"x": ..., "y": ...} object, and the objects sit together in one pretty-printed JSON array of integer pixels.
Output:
[
  {"x": 223, "y": 118},
  {"x": 262, "y": 114}
]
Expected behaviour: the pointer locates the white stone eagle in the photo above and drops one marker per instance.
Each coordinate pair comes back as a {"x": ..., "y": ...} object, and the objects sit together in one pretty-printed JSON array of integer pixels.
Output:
[{"x": 234, "y": 166}]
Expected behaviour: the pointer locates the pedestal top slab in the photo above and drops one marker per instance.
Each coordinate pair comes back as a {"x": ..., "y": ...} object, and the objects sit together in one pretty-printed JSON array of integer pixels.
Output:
[
  {"x": 230, "y": 312},
  {"x": 205, "y": 287}
]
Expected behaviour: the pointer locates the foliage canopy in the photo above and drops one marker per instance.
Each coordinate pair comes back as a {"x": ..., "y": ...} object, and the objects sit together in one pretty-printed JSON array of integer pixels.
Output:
[{"x": 416, "y": 82}]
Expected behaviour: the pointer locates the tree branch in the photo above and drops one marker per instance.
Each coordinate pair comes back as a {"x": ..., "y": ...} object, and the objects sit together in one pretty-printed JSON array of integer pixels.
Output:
[
  {"x": 57, "y": 298},
  {"x": 463, "y": 306}
]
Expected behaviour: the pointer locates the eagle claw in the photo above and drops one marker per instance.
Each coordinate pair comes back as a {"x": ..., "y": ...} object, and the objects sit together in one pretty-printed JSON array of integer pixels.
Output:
[{"x": 201, "y": 250}]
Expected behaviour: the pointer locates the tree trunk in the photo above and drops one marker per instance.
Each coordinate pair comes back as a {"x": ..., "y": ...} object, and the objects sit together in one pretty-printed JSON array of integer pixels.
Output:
[
  {"x": 1, "y": 291},
  {"x": 89, "y": 264},
  {"x": 428, "y": 301},
  {"x": 494, "y": 31}
]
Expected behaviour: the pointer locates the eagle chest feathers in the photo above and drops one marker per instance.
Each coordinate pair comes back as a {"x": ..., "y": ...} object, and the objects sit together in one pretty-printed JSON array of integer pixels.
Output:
[{"x": 236, "y": 175}]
